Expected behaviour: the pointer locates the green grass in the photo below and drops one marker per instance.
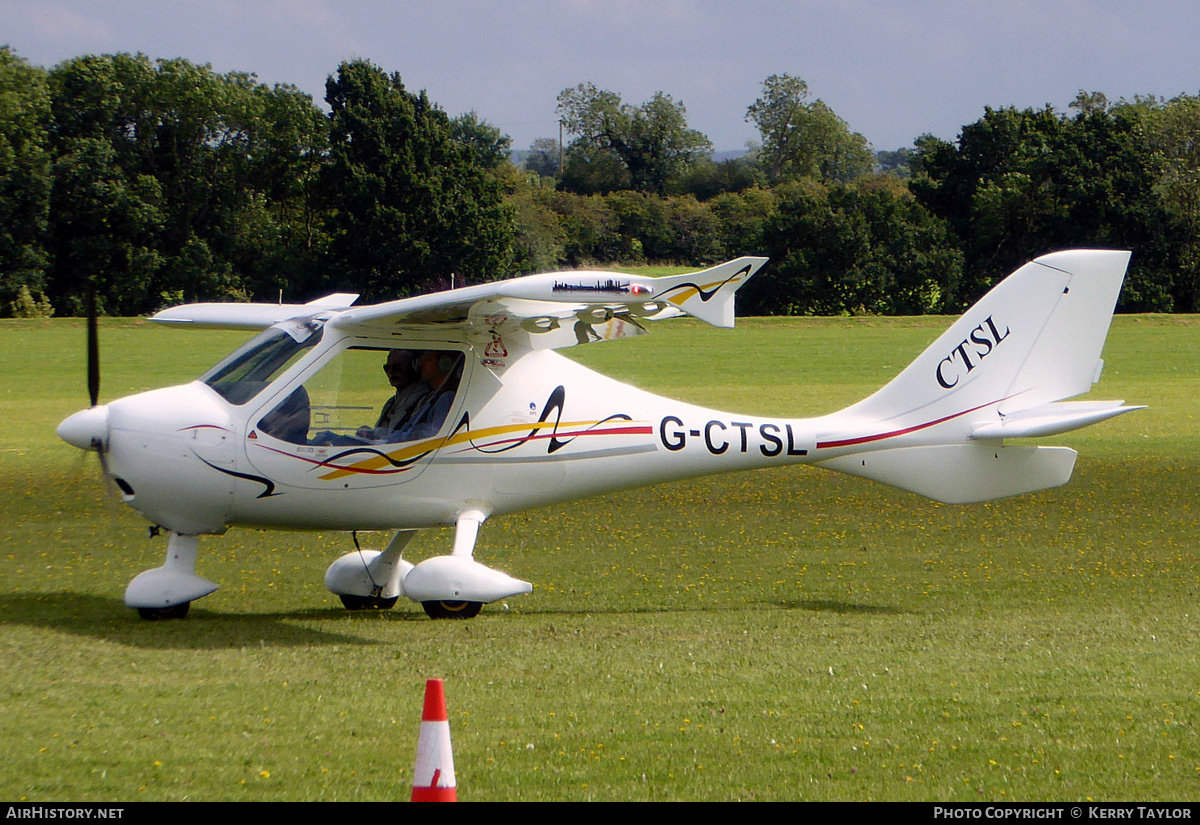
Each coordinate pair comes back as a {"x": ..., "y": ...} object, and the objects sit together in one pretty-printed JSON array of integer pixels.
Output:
[{"x": 771, "y": 635}]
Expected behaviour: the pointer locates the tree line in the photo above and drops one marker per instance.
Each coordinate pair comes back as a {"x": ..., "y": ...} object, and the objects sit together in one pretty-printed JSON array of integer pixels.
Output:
[{"x": 160, "y": 181}]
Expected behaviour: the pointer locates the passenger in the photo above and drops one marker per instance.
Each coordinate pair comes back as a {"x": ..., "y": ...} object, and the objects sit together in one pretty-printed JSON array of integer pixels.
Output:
[{"x": 440, "y": 371}]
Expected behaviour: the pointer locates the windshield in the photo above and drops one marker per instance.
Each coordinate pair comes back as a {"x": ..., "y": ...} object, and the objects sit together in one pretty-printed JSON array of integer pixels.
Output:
[{"x": 246, "y": 372}]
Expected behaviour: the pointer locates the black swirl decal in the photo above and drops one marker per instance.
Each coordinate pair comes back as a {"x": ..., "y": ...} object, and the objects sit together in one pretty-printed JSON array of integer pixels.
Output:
[
  {"x": 705, "y": 295},
  {"x": 554, "y": 404},
  {"x": 371, "y": 451},
  {"x": 268, "y": 485}
]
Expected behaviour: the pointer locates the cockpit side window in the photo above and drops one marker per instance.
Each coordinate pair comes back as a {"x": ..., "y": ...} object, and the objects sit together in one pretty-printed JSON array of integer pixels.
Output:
[
  {"x": 246, "y": 372},
  {"x": 370, "y": 395}
]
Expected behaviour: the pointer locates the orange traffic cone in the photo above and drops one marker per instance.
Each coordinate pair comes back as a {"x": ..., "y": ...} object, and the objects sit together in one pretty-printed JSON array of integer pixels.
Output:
[{"x": 433, "y": 779}]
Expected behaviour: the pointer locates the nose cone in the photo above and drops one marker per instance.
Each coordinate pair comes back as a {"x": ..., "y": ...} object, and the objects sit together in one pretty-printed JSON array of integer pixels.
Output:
[{"x": 86, "y": 429}]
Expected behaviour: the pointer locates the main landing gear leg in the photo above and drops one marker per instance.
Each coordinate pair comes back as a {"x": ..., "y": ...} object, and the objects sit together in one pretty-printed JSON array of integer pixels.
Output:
[
  {"x": 167, "y": 592},
  {"x": 466, "y": 531},
  {"x": 370, "y": 579},
  {"x": 456, "y": 586}
]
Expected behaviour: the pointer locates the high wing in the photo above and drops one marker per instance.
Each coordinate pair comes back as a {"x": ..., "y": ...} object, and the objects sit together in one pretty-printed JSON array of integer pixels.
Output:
[
  {"x": 249, "y": 316},
  {"x": 546, "y": 311}
]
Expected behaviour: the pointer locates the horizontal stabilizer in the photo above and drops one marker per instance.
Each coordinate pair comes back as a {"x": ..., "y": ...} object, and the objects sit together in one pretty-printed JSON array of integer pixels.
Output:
[
  {"x": 962, "y": 473},
  {"x": 707, "y": 295},
  {"x": 1051, "y": 419}
]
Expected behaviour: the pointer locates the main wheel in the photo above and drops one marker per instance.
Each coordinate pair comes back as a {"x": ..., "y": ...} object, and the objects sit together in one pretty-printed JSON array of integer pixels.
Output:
[
  {"x": 367, "y": 602},
  {"x": 155, "y": 614},
  {"x": 452, "y": 610}
]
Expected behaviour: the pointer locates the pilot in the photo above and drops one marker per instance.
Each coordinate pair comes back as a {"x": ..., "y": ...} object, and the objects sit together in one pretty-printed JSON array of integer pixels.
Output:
[
  {"x": 440, "y": 371},
  {"x": 289, "y": 420},
  {"x": 402, "y": 373}
]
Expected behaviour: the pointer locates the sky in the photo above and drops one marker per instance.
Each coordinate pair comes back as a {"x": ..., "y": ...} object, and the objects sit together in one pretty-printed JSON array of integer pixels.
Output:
[{"x": 892, "y": 69}]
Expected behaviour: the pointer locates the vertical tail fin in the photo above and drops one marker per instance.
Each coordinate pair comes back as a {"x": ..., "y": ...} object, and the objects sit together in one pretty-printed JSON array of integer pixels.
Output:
[
  {"x": 1034, "y": 339},
  {"x": 998, "y": 372}
]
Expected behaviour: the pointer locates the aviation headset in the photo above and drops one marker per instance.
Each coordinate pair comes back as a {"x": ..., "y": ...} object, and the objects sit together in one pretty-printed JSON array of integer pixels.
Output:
[{"x": 445, "y": 363}]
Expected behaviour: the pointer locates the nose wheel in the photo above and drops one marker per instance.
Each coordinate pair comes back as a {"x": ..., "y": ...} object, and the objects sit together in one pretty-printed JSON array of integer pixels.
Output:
[{"x": 167, "y": 592}]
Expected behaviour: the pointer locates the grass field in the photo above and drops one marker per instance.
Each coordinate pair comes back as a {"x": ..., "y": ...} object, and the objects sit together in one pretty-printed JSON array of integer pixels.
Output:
[{"x": 783, "y": 635}]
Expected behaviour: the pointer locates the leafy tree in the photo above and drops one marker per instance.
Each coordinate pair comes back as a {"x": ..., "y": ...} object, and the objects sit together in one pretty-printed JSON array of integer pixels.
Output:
[
  {"x": 156, "y": 179},
  {"x": 842, "y": 249},
  {"x": 707, "y": 179},
  {"x": 589, "y": 169},
  {"x": 539, "y": 241},
  {"x": 106, "y": 230},
  {"x": 410, "y": 205},
  {"x": 25, "y": 177},
  {"x": 657, "y": 228},
  {"x": 590, "y": 230},
  {"x": 1022, "y": 183},
  {"x": 805, "y": 139},
  {"x": 898, "y": 162},
  {"x": 1088, "y": 103},
  {"x": 1173, "y": 135},
  {"x": 210, "y": 178},
  {"x": 489, "y": 146},
  {"x": 620, "y": 146},
  {"x": 644, "y": 222},
  {"x": 545, "y": 158},
  {"x": 26, "y": 306},
  {"x": 281, "y": 237},
  {"x": 741, "y": 218},
  {"x": 695, "y": 231}
]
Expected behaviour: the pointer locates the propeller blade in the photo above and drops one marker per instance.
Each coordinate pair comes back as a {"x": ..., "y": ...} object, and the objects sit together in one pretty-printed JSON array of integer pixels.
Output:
[{"x": 93, "y": 347}]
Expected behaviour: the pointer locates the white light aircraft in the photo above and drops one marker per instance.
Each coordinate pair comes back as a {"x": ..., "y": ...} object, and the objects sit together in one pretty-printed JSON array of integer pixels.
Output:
[{"x": 484, "y": 418}]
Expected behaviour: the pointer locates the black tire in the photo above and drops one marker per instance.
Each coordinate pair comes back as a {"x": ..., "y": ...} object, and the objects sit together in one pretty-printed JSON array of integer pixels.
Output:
[
  {"x": 452, "y": 610},
  {"x": 367, "y": 602},
  {"x": 158, "y": 614}
]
